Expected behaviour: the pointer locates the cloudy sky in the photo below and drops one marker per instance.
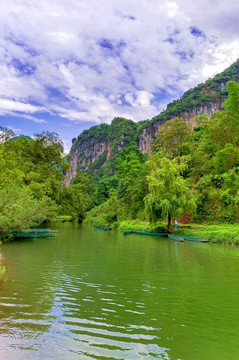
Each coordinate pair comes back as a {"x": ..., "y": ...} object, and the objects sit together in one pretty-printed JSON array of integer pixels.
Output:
[{"x": 66, "y": 65}]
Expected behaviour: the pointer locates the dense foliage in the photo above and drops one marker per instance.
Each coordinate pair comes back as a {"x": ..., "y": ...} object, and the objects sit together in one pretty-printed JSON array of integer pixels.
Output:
[
  {"x": 192, "y": 174},
  {"x": 31, "y": 182},
  {"x": 119, "y": 138}
]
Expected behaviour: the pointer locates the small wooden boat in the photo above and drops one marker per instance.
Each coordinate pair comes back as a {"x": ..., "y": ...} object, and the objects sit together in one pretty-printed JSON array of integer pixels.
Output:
[
  {"x": 25, "y": 236},
  {"x": 127, "y": 232},
  {"x": 145, "y": 233},
  {"x": 33, "y": 233},
  {"x": 175, "y": 237},
  {"x": 193, "y": 238},
  {"x": 102, "y": 228},
  {"x": 42, "y": 235}
]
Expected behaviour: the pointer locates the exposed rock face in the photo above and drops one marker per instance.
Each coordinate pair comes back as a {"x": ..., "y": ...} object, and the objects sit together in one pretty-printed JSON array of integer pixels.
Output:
[
  {"x": 148, "y": 134},
  {"x": 100, "y": 144},
  {"x": 82, "y": 156}
]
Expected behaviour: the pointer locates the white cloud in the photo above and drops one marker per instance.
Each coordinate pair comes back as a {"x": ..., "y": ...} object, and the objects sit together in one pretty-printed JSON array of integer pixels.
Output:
[
  {"x": 91, "y": 61},
  {"x": 10, "y": 105}
]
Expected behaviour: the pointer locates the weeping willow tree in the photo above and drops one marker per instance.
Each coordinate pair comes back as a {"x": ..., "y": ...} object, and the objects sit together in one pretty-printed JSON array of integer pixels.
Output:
[{"x": 169, "y": 196}]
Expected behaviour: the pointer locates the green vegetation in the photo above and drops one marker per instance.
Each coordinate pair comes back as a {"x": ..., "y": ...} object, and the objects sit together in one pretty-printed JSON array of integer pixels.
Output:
[
  {"x": 193, "y": 175},
  {"x": 2, "y": 271},
  {"x": 168, "y": 194},
  {"x": 31, "y": 183},
  {"x": 219, "y": 233},
  {"x": 119, "y": 138},
  {"x": 211, "y": 91},
  {"x": 64, "y": 218}
]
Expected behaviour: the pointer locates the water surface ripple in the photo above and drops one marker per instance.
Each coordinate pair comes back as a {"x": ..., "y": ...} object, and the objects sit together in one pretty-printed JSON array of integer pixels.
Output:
[{"x": 99, "y": 295}]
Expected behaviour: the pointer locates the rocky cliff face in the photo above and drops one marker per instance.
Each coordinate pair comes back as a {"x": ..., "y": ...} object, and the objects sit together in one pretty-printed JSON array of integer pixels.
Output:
[
  {"x": 148, "y": 133},
  {"x": 95, "y": 147},
  {"x": 83, "y": 155}
]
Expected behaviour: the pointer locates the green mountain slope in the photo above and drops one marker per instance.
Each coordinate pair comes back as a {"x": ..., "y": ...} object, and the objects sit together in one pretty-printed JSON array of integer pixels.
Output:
[{"x": 213, "y": 90}]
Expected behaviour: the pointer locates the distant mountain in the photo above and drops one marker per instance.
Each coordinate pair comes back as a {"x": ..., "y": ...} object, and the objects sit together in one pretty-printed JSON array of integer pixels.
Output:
[{"x": 96, "y": 150}]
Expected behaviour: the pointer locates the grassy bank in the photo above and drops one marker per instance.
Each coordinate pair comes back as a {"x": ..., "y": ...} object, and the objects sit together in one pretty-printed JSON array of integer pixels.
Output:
[
  {"x": 137, "y": 224},
  {"x": 216, "y": 233}
]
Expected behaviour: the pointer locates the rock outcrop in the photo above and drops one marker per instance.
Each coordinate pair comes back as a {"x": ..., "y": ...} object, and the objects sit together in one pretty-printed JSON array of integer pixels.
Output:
[{"x": 148, "y": 133}]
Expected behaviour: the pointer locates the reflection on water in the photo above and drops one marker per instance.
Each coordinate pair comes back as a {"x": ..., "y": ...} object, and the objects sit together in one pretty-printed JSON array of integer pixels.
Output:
[{"x": 100, "y": 295}]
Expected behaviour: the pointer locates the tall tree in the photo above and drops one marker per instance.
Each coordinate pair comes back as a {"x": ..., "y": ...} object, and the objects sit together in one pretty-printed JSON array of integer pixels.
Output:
[
  {"x": 132, "y": 186},
  {"x": 169, "y": 196},
  {"x": 173, "y": 138}
]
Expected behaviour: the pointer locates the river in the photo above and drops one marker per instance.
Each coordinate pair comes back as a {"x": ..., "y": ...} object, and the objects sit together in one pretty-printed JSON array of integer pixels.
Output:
[{"x": 90, "y": 294}]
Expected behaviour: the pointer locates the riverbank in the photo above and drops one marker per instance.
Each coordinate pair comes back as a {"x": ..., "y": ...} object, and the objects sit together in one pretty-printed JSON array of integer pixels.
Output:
[
  {"x": 215, "y": 233},
  {"x": 226, "y": 234}
]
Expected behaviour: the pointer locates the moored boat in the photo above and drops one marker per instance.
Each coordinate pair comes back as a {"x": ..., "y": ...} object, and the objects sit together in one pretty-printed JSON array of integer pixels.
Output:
[
  {"x": 175, "y": 237},
  {"x": 102, "y": 228},
  {"x": 145, "y": 233},
  {"x": 33, "y": 233},
  {"x": 126, "y": 232},
  {"x": 194, "y": 238}
]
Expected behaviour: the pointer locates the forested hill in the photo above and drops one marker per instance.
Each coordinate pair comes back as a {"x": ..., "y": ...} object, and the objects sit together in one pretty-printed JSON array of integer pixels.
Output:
[
  {"x": 212, "y": 91},
  {"x": 205, "y": 98},
  {"x": 96, "y": 150}
]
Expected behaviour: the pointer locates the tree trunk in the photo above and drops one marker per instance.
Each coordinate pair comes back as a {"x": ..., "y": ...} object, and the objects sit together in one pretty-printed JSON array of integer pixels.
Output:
[{"x": 169, "y": 223}]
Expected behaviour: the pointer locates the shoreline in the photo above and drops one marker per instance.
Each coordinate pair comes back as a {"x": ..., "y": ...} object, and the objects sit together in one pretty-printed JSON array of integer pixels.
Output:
[{"x": 225, "y": 234}]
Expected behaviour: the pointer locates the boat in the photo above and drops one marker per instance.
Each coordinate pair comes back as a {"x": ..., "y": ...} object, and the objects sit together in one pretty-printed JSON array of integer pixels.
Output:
[
  {"x": 42, "y": 235},
  {"x": 175, "y": 237},
  {"x": 194, "y": 238},
  {"x": 33, "y": 233},
  {"x": 24, "y": 235},
  {"x": 102, "y": 228},
  {"x": 126, "y": 232},
  {"x": 145, "y": 233}
]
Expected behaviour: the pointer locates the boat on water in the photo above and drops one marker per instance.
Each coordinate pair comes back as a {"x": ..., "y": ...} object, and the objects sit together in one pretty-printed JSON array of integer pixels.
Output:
[
  {"x": 24, "y": 235},
  {"x": 176, "y": 237},
  {"x": 33, "y": 233},
  {"x": 102, "y": 228},
  {"x": 145, "y": 233},
  {"x": 194, "y": 238},
  {"x": 127, "y": 232}
]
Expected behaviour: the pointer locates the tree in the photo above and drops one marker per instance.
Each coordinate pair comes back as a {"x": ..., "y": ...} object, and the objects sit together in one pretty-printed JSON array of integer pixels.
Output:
[
  {"x": 226, "y": 159},
  {"x": 173, "y": 138},
  {"x": 19, "y": 209},
  {"x": 31, "y": 175},
  {"x": 169, "y": 196},
  {"x": 38, "y": 163},
  {"x": 79, "y": 197},
  {"x": 224, "y": 126},
  {"x": 132, "y": 187},
  {"x": 5, "y": 134}
]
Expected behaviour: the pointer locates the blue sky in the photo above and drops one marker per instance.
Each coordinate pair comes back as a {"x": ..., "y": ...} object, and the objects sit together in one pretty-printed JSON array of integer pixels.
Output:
[{"x": 66, "y": 65}]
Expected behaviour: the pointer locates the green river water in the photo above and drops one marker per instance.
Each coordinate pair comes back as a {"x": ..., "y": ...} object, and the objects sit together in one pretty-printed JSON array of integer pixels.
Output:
[{"x": 90, "y": 294}]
